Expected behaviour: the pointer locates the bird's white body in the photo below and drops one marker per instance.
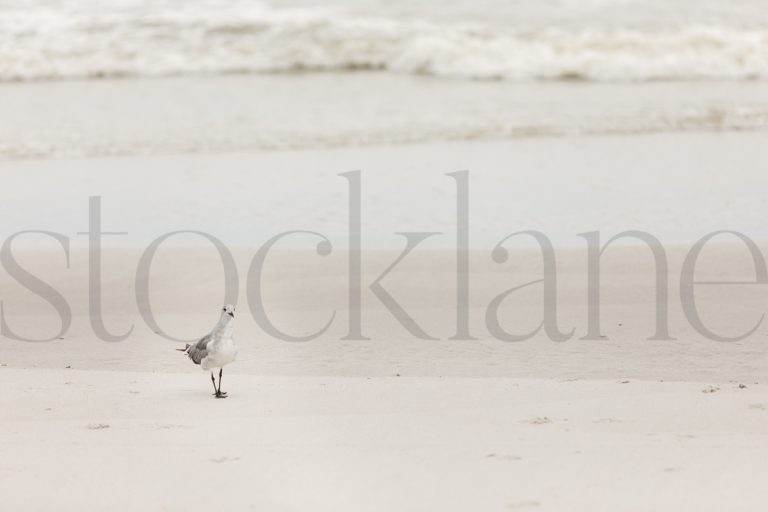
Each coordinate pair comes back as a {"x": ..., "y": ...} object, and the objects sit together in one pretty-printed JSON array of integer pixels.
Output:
[
  {"x": 216, "y": 349},
  {"x": 222, "y": 349}
]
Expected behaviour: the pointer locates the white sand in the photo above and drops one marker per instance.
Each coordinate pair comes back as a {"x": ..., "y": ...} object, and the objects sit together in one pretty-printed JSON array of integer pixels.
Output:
[
  {"x": 301, "y": 290},
  {"x": 74, "y": 440},
  {"x": 618, "y": 424},
  {"x": 328, "y": 424}
]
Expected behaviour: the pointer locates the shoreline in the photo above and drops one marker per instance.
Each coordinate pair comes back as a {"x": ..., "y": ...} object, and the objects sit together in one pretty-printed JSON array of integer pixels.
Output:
[
  {"x": 561, "y": 187},
  {"x": 301, "y": 290},
  {"x": 241, "y": 114}
]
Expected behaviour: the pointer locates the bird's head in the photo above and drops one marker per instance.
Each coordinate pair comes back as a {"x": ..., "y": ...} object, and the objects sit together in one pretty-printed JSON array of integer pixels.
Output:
[{"x": 228, "y": 310}]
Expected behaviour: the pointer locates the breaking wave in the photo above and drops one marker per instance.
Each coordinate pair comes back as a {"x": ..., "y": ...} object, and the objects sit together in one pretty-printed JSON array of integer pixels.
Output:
[{"x": 51, "y": 44}]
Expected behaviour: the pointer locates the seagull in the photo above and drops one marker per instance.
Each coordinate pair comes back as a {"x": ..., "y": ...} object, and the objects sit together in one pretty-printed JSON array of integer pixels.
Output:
[{"x": 216, "y": 349}]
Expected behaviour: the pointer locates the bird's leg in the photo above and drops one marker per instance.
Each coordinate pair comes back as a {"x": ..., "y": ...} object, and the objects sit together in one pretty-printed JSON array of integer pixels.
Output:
[
  {"x": 219, "y": 393},
  {"x": 213, "y": 379}
]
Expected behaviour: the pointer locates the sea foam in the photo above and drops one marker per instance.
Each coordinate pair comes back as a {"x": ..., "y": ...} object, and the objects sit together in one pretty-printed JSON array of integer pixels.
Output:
[{"x": 44, "y": 44}]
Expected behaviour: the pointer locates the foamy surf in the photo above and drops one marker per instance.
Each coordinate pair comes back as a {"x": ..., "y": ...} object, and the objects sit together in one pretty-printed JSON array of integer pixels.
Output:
[
  {"x": 210, "y": 39},
  {"x": 185, "y": 115}
]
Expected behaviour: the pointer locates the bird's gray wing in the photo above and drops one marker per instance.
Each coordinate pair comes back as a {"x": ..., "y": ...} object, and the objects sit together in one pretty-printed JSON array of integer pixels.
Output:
[{"x": 199, "y": 350}]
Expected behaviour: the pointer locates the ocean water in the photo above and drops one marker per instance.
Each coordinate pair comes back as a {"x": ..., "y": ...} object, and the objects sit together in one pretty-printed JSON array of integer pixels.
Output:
[
  {"x": 125, "y": 77},
  {"x": 600, "y": 40}
]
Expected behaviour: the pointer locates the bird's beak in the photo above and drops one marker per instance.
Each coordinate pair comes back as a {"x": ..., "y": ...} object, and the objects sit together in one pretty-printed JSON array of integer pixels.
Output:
[{"x": 231, "y": 314}]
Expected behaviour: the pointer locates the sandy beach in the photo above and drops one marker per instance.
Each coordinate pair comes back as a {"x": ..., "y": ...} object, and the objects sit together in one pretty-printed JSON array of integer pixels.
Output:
[
  {"x": 408, "y": 210},
  {"x": 150, "y": 440},
  {"x": 393, "y": 421},
  {"x": 454, "y": 424}
]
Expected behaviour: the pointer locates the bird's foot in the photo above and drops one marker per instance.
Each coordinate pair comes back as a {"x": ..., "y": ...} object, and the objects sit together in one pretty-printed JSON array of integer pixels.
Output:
[{"x": 220, "y": 394}]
